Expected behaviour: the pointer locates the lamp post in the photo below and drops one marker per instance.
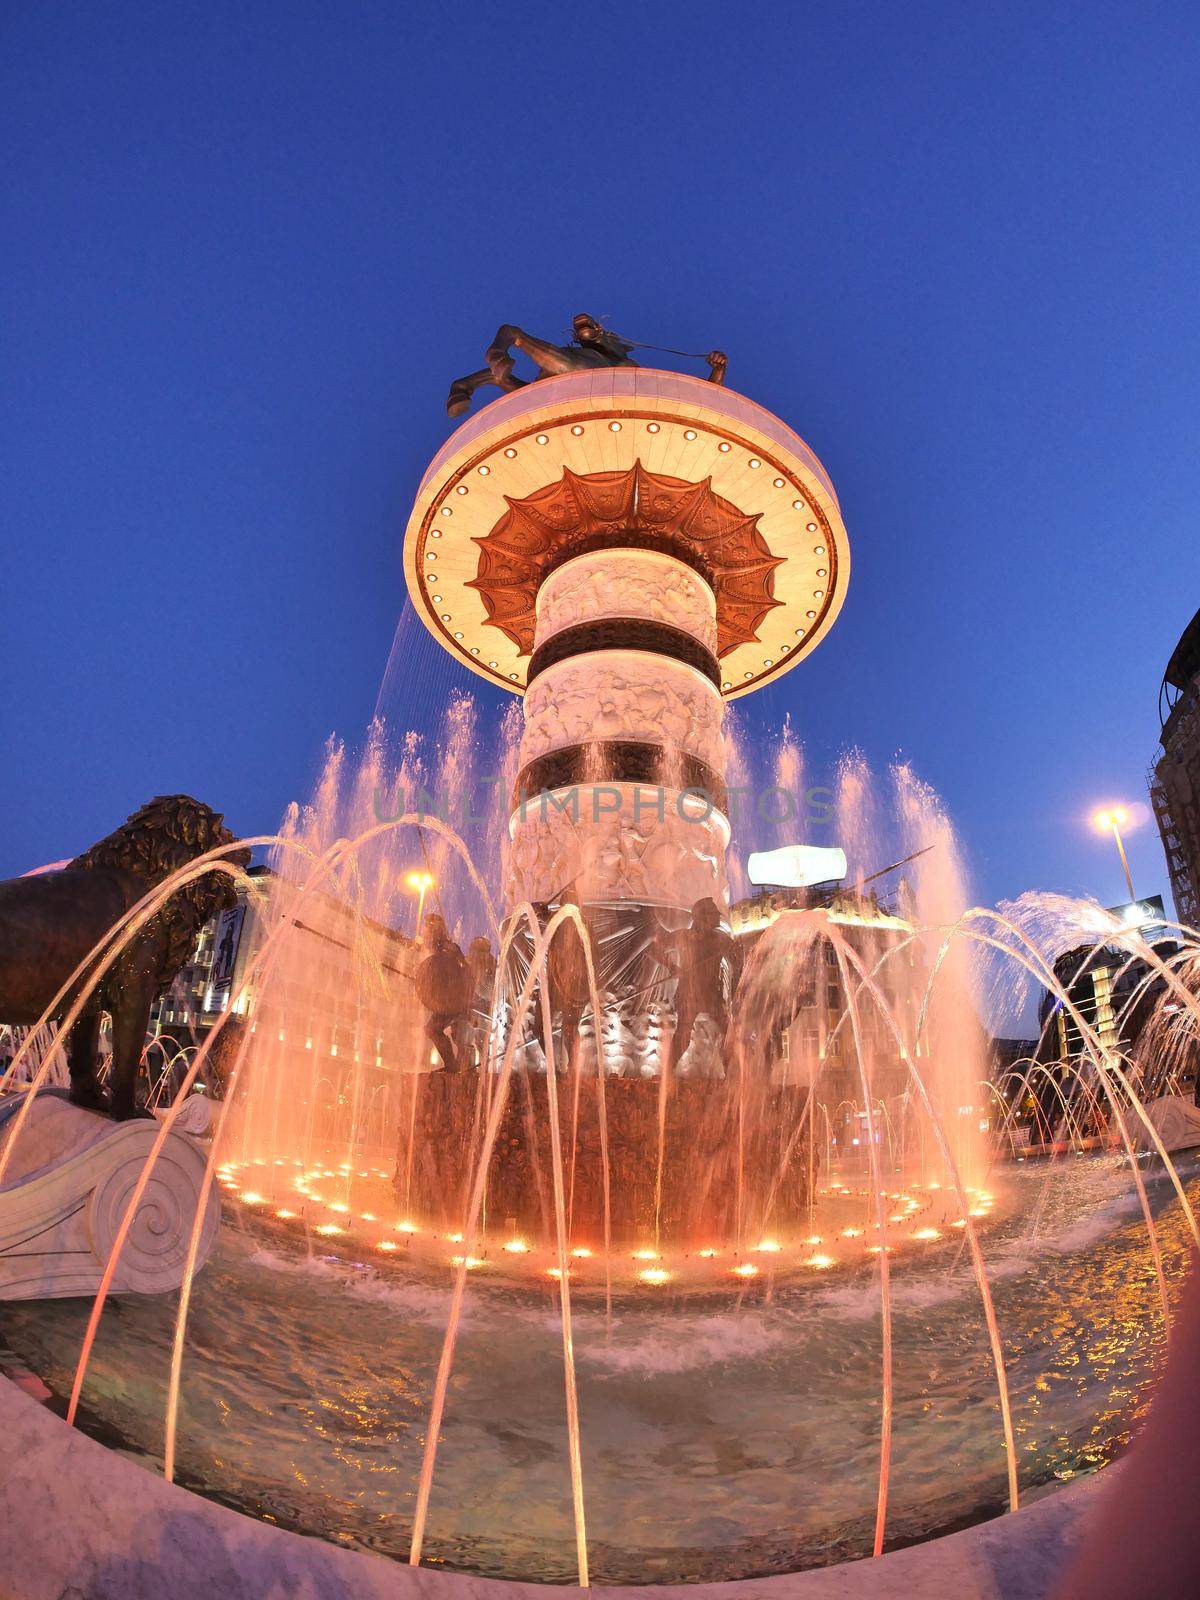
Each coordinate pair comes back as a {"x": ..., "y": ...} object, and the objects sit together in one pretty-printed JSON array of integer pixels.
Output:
[
  {"x": 422, "y": 882},
  {"x": 1114, "y": 818}
]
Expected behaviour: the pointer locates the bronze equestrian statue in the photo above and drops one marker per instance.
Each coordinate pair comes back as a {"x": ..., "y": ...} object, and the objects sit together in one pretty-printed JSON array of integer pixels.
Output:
[
  {"x": 49, "y": 922},
  {"x": 592, "y": 346}
]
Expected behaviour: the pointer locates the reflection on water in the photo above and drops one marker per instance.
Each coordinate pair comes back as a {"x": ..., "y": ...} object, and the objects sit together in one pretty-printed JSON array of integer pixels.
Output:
[{"x": 720, "y": 1440}]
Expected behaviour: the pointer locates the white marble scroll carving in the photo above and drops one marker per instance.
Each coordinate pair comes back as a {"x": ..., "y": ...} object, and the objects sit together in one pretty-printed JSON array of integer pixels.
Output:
[
  {"x": 1175, "y": 1120},
  {"x": 65, "y": 1192}
]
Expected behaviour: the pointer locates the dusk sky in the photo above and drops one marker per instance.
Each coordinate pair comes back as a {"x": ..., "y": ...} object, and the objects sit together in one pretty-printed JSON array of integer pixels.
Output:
[{"x": 247, "y": 247}]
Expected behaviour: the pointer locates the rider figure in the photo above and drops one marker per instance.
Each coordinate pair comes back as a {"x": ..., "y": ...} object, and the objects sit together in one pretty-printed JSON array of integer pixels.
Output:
[
  {"x": 592, "y": 345},
  {"x": 597, "y": 346}
]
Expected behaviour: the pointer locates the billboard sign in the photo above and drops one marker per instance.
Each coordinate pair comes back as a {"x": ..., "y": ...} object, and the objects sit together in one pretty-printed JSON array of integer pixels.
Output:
[
  {"x": 1140, "y": 913},
  {"x": 796, "y": 866}
]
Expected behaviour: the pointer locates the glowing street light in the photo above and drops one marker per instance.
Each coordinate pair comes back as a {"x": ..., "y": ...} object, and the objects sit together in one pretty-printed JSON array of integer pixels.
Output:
[
  {"x": 421, "y": 882},
  {"x": 1115, "y": 817}
]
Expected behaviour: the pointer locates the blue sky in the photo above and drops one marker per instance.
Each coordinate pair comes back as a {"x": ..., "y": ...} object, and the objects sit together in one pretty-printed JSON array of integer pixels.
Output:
[{"x": 248, "y": 246}]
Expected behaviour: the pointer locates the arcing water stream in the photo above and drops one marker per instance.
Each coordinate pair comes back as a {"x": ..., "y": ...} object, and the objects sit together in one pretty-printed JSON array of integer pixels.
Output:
[{"x": 821, "y": 1289}]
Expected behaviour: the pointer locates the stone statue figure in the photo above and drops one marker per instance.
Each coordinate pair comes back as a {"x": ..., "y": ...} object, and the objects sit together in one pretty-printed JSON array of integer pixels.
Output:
[
  {"x": 444, "y": 987},
  {"x": 481, "y": 962},
  {"x": 50, "y": 921},
  {"x": 703, "y": 956},
  {"x": 566, "y": 980},
  {"x": 592, "y": 346}
]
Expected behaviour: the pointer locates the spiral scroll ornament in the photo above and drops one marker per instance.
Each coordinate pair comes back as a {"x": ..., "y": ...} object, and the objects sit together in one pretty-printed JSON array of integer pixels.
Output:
[{"x": 155, "y": 1249}]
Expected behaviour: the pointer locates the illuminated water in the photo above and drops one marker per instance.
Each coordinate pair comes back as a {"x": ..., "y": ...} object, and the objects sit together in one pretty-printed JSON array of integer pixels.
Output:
[
  {"x": 735, "y": 1430},
  {"x": 719, "y": 1439}
]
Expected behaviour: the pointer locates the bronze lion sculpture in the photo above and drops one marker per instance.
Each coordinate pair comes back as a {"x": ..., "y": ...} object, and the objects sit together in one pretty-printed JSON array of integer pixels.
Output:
[{"x": 49, "y": 922}]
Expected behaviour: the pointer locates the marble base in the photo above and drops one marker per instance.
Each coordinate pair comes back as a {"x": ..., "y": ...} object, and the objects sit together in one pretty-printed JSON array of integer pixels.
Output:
[
  {"x": 1176, "y": 1121},
  {"x": 65, "y": 1192}
]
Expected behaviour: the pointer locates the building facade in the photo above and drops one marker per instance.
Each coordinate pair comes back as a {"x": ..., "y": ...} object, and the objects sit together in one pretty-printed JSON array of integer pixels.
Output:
[
  {"x": 1175, "y": 776},
  {"x": 1123, "y": 999}
]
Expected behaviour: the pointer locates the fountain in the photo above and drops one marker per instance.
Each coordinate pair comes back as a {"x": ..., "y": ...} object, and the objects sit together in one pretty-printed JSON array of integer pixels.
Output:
[{"x": 721, "y": 1255}]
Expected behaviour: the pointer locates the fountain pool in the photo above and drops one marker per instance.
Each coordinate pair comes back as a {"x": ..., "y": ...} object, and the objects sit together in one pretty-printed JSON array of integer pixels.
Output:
[{"x": 723, "y": 1435}]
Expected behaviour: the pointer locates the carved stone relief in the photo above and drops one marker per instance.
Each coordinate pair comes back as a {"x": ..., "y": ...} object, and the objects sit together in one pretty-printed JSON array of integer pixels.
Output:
[
  {"x": 623, "y": 695},
  {"x": 626, "y": 853},
  {"x": 632, "y": 583}
]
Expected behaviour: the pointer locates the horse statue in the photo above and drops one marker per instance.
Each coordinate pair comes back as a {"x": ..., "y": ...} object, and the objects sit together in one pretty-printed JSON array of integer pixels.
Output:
[
  {"x": 592, "y": 346},
  {"x": 49, "y": 921}
]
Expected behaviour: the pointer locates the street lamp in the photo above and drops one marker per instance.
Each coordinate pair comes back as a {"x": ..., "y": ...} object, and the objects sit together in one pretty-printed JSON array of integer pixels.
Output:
[
  {"x": 422, "y": 882},
  {"x": 1115, "y": 818}
]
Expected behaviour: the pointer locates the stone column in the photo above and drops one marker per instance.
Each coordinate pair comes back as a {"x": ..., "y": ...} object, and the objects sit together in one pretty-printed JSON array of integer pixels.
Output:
[{"x": 621, "y": 791}]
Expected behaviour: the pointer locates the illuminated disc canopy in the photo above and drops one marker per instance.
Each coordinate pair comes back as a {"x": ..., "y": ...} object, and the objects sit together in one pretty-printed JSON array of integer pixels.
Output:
[{"x": 600, "y": 426}]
